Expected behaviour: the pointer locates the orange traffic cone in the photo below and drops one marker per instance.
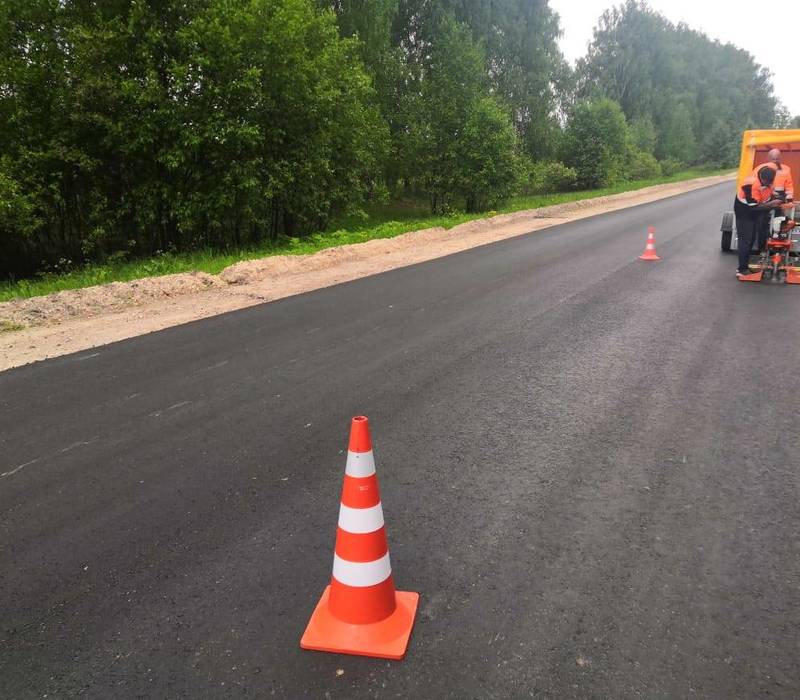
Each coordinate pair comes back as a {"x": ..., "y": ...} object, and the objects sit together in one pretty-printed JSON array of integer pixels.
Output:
[
  {"x": 650, "y": 248},
  {"x": 360, "y": 612}
]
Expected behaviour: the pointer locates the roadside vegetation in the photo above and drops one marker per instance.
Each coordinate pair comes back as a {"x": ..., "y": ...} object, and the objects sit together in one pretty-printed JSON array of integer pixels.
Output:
[
  {"x": 141, "y": 139},
  {"x": 380, "y": 221}
]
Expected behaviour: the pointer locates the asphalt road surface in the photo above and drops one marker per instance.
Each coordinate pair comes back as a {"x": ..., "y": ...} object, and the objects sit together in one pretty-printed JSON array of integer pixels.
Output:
[{"x": 589, "y": 469}]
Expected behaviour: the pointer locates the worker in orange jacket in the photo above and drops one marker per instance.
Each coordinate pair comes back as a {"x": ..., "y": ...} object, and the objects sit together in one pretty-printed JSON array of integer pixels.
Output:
[
  {"x": 784, "y": 189},
  {"x": 784, "y": 186},
  {"x": 756, "y": 196}
]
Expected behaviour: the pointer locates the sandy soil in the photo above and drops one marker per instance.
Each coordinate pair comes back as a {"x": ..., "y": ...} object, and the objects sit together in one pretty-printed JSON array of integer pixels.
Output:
[{"x": 81, "y": 319}]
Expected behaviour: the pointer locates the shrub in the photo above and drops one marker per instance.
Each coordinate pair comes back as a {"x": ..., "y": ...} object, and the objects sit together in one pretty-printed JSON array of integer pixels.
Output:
[
  {"x": 670, "y": 167},
  {"x": 642, "y": 165},
  {"x": 552, "y": 176}
]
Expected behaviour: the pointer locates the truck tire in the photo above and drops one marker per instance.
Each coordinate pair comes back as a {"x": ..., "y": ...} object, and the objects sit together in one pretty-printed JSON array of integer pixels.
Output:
[{"x": 727, "y": 231}]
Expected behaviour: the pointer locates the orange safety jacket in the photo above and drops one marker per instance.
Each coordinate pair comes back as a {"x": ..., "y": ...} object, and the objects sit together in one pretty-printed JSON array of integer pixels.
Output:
[
  {"x": 752, "y": 192},
  {"x": 783, "y": 179}
]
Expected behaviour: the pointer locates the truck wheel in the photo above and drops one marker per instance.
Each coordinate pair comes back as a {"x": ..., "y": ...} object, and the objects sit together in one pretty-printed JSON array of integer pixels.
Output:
[{"x": 727, "y": 231}]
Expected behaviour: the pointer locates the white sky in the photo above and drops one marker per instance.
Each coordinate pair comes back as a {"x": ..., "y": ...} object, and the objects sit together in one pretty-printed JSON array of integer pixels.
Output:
[{"x": 740, "y": 22}]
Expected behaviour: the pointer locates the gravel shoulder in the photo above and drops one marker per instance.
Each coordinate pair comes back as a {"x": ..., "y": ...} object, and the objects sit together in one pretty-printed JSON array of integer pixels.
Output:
[{"x": 81, "y": 319}]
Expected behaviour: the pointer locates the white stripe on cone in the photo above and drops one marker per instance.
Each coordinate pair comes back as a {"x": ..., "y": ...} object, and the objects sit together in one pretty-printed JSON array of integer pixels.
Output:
[
  {"x": 360, "y": 464},
  {"x": 360, "y": 521},
  {"x": 361, "y": 574}
]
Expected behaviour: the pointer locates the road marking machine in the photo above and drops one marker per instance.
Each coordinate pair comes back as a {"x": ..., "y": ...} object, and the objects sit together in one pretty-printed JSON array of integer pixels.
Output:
[{"x": 779, "y": 261}]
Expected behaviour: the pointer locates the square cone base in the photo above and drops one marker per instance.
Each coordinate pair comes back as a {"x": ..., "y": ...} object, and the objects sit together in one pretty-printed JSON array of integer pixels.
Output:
[
  {"x": 387, "y": 639},
  {"x": 649, "y": 257},
  {"x": 792, "y": 276},
  {"x": 752, "y": 277}
]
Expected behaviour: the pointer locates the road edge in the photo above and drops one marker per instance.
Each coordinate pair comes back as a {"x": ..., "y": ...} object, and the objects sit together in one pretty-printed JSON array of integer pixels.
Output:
[{"x": 189, "y": 297}]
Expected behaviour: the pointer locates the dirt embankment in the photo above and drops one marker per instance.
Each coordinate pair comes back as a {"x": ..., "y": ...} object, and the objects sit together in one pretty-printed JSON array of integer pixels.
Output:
[{"x": 79, "y": 319}]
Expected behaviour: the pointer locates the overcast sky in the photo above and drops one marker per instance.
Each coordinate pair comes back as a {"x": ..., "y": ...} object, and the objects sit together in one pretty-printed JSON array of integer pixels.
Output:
[{"x": 741, "y": 22}]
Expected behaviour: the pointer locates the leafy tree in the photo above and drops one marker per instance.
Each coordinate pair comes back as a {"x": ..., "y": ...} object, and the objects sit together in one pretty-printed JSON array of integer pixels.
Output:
[
  {"x": 783, "y": 117},
  {"x": 287, "y": 104},
  {"x": 452, "y": 108},
  {"x": 522, "y": 60},
  {"x": 677, "y": 136},
  {"x": 720, "y": 145},
  {"x": 643, "y": 134},
  {"x": 525, "y": 64},
  {"x": 487, "y": 167},
  {"x": 135, "y": 127},
  {"x": 682, "y": 81},
  {"x": 371, "y": 22},
  {"x": 595, "y": 142}
]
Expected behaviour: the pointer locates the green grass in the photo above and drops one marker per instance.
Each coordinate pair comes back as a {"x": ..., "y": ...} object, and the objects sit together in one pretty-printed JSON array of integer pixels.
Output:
[
  {"x": 382, "y": 221},
  {"x": 546, "y": 200},
  {"x": 8, "y": 326}
]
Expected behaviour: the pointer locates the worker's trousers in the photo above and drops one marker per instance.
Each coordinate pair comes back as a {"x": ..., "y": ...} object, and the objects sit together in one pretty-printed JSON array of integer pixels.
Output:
[{"x": 749, "y": 227}]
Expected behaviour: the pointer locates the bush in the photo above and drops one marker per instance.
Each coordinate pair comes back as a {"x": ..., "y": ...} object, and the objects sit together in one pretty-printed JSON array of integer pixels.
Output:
[
  {"x": 670, "y": 167},
  {"x": 642, "y": 166},
  {"x": 551, "y": 176}
]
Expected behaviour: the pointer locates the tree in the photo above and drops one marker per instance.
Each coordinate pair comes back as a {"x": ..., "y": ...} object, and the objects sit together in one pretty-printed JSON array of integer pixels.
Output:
[
  {"x": 595, "y": 141},
  {"x": 677, "y": 136},
  {"x": 284, "y": 101},
  {"x": 682, "y": 81},
  {"x": 453, "y": 107},
  {"x": 523, "y": 64},
  {"x": 643, "y": 134},
  {"x": 136, "y": 127},
  {"x": 720, "y": 145},
  {"x": 487, "y": 166},
  {"x": 371, "y": 23}
]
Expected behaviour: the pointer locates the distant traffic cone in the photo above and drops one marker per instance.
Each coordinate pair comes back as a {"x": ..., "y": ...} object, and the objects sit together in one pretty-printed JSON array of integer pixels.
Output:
[
  {"x": 650, "y": 248},
  {"x": 360, "y": 612}
]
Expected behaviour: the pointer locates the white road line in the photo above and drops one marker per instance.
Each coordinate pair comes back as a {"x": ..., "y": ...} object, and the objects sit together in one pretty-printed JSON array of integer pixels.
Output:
[
  {"x": 87, "y": 357},
  {"x": 156, "y": 414},
  {"x": 16, "y": 469},
  {"x": 216, "y": 366},
  {"x": 68, "y": 448}
]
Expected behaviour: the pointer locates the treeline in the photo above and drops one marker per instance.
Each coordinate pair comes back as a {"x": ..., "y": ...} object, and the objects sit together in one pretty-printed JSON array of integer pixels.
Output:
[{"x": 132, "y": 126}]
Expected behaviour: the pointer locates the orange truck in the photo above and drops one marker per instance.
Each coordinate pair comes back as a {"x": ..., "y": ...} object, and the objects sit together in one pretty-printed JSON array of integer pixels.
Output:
[{"x": 783, "y": 250}]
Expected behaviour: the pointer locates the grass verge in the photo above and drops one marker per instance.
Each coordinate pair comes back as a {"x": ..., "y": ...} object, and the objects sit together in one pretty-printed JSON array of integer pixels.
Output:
[
  {"x": 381, "y": 221},
  {"x": 9, "y": 326}
]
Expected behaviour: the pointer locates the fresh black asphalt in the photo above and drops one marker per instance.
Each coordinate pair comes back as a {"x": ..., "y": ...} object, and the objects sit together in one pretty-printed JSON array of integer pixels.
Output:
[{"x": 589, "y": 469}]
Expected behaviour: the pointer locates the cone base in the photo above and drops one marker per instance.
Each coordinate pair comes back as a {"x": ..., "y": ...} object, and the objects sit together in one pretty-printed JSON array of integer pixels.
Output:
[
  {"x": 752, "y": 277},
  {"x": 792, "y": 276},
  {"x": 387, "y": 639},
  {"x": 651, "y": 256}
]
